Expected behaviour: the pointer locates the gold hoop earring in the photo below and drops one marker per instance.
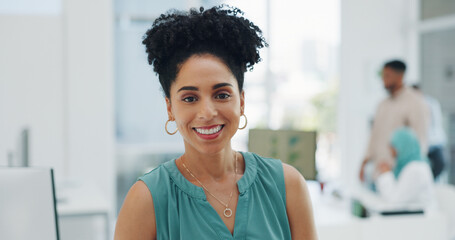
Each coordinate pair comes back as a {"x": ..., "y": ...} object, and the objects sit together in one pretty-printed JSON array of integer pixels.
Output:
[
  {"x": 170, "y": 133},
  {"x": 246, "y": 122}
]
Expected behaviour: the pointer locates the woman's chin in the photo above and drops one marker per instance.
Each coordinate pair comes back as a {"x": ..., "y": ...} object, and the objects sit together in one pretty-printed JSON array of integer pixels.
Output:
[{"x": 211, "y": 147}]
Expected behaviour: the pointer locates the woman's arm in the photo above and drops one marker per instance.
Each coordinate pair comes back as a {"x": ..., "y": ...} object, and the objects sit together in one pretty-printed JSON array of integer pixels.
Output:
[
  {"x": 404, "y": 189},
  {"x": 298, "y": 205},
  {"x": 136, "y": 219}
]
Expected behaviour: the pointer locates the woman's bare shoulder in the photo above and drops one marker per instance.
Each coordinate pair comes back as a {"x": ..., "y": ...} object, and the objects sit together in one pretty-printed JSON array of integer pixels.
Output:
[
  {"x": 136, "y": 219},
  {"x": 293, "y": 179},
  {"x": 298, "y": 204}
]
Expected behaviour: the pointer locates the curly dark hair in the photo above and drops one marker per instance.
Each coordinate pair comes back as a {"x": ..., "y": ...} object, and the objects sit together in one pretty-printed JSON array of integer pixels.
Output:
[{"x": 221, "y": 31}]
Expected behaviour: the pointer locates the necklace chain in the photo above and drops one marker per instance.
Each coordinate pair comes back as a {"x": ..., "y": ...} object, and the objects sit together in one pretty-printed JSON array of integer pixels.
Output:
[{"x": 227, "y": 210}]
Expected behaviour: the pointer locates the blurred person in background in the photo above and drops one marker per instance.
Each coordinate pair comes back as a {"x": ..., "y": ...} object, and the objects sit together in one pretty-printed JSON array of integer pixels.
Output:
[
  {"x": 436, "y": 134},
  {"x": 408, "y": 181},
  {"x": 212, "y": 191},
  {"x": 403, "y": 107}
]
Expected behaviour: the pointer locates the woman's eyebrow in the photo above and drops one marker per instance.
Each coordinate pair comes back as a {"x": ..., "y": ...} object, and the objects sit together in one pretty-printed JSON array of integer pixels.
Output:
[
  {"x": 189, "y": 88},
  {"x": 192, "y": 88},
  {"x": 220, "y": 85}
]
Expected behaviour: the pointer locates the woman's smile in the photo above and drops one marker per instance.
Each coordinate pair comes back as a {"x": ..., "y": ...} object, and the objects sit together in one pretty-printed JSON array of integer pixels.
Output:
[{"x": 210, "y": 132}]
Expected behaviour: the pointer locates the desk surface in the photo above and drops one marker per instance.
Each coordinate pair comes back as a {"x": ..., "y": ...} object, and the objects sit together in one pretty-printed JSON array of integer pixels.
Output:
[
  {"x": 334, "y": 221},
  {"x": 79, "y": 200}
]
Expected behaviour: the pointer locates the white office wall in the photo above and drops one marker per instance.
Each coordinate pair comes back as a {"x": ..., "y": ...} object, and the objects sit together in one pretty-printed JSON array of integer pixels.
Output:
[
  {"x": 89, "y": 55},
  {"x": 56, "y": 77},
  {"x": 372, "y": 32},
  {"x": 31, "y": 88}
]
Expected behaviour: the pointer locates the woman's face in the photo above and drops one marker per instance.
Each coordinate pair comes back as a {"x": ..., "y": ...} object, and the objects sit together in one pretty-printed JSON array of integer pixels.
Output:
[{"x": 206, "y": 103}]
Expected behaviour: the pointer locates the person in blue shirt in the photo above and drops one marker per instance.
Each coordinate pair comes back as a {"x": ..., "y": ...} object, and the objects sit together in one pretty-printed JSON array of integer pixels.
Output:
[
  {"x": 211, "y": 191},
  {"x": 437, "y": 138}
]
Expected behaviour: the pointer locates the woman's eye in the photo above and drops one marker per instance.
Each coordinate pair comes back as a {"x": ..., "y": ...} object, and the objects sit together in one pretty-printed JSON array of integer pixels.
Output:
[
  {"x": 223, "y": 96},
  {"x": 189, "y": 99}
]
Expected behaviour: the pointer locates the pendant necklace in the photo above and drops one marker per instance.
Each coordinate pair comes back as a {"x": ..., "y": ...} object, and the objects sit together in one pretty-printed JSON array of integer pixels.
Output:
[{"x": 227, "y": 211}]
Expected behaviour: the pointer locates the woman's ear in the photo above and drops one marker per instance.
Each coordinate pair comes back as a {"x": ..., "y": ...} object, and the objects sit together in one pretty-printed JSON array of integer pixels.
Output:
[
  {"x": 169, "y": 109},
  {"x": 242, "y": 102}
]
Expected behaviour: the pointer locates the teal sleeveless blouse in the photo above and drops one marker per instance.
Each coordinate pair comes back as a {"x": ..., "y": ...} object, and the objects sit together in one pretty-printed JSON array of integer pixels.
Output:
[{"x": 183, "y": 212}]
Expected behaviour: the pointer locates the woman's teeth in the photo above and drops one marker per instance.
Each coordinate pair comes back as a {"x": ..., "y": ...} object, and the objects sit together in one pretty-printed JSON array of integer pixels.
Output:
[{"x": 209, "y": 131}]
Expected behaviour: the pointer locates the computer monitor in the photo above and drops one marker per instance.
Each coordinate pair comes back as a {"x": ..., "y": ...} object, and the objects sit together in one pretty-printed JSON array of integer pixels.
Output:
[
  {"x": 297, "y": 148},
  {"x": 27, "y": 204}
]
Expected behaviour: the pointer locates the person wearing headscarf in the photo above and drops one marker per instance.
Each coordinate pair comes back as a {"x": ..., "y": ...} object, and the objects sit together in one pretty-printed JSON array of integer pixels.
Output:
[{"x": 410, "y": 180}]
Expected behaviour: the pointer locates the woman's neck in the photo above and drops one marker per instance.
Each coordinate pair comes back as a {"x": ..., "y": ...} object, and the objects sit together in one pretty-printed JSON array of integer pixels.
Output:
[{"x": 215, "y": 166}]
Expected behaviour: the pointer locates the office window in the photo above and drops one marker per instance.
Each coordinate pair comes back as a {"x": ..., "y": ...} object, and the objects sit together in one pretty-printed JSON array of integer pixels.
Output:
[
  {"x": 31, "y": 7},
  {"x": 436, "y": 8},
  {"x": 296, "y": 86}
]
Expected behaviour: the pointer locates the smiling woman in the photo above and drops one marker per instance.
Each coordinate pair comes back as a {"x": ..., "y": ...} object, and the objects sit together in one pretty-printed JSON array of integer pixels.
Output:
[
  {"x": 211, "y": 191},
  {"x": 206, "y": 104}
]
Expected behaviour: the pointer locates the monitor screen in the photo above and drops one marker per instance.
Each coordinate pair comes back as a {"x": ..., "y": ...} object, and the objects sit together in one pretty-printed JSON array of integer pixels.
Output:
[
  {"x": 27, "y": 204},
  {"x": 297, "y": 148}
]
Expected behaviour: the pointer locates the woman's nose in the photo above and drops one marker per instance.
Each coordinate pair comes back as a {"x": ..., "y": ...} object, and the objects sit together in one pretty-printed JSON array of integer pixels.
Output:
[{"x": 207, "y": 110}]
